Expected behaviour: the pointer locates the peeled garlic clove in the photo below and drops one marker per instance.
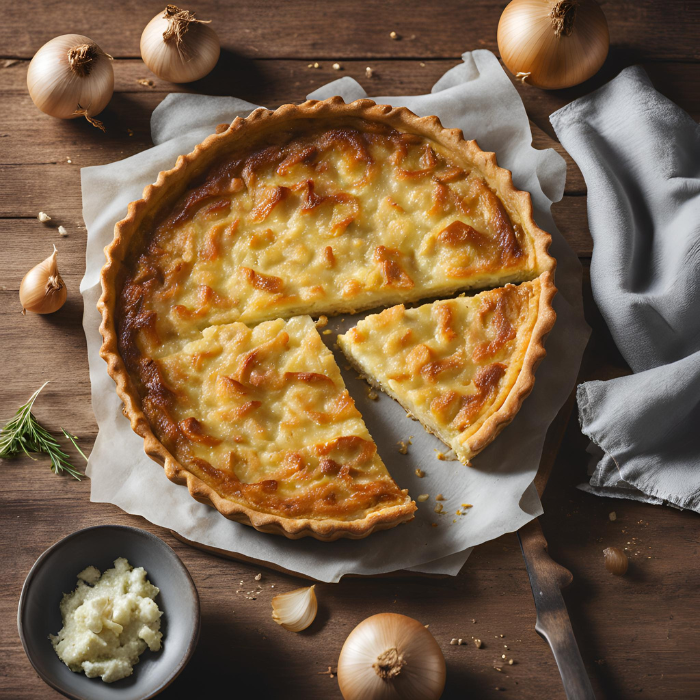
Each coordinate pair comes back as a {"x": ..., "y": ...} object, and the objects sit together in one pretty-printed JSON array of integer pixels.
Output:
[
  {"x": 616, "y": 561},
  {"x": 295, "y": 610},
  {"x": 43, "y": 290}
]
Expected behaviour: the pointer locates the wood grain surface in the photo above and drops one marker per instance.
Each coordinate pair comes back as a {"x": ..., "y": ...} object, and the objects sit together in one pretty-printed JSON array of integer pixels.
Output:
[{"x": 638, "y": 634}]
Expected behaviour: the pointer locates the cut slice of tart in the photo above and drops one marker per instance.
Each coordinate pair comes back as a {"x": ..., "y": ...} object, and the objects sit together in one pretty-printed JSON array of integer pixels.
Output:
[
  {"x": 258, "y": 421},
  {"x": 461, "y": 366}
]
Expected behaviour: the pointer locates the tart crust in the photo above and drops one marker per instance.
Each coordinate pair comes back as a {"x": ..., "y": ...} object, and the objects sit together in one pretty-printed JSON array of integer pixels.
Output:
[{"x": 244, "y": 132}]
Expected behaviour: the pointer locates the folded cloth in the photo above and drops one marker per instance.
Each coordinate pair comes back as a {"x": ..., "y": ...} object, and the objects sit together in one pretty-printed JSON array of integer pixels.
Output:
[{"x": 640, "y": 156}]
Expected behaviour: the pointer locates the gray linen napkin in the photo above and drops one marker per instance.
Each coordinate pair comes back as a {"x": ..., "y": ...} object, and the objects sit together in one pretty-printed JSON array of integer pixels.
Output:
[{"x": 640, "y": 157}]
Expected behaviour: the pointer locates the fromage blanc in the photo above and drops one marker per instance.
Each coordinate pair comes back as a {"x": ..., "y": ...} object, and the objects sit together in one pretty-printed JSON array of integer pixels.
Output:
[{"x": 108, "y": 622}]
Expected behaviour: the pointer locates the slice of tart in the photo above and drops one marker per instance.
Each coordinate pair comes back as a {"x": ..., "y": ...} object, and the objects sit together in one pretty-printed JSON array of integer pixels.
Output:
[
  {"x": 259, "y": 421},
  {"x": 461, "y": 366}
]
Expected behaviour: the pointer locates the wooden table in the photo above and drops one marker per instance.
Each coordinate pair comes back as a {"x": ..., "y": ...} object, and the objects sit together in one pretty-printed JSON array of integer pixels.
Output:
[{"x": 638, "y": 634}]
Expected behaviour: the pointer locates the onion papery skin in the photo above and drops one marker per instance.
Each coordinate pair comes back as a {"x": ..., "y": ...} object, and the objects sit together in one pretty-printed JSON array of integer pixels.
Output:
[
  {"x": 43, "y": 290},
  {"x": 179, "y": 66},
  {"x": 528, "y": 44},
  {"x": 422, "y": 677},
  {"x": 57, "y": 90}
]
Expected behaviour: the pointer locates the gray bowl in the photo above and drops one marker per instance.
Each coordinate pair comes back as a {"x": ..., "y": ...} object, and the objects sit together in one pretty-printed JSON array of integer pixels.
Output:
[{"x": 55, "y": 573}]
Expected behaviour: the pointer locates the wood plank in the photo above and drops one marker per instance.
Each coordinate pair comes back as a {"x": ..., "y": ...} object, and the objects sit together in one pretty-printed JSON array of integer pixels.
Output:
[
  {"x": 571, "y": 219},
  {"x": 332, "y": 31},
  {"x": 32, "y": 137},
  {"x": 289, "y": 81},
  {"x": 273, "y": 82}
]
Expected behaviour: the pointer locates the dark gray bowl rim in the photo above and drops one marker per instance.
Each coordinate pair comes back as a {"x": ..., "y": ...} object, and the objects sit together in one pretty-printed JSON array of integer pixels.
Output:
[{"x": 158, "y": 542}]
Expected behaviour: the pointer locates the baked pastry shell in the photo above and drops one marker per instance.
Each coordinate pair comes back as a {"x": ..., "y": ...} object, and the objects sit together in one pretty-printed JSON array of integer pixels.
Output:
[{"x": 246, "y": 133}]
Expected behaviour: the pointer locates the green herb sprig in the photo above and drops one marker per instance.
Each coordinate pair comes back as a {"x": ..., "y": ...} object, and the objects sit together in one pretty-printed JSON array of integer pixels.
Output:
[{"x": 24, "y": 434}]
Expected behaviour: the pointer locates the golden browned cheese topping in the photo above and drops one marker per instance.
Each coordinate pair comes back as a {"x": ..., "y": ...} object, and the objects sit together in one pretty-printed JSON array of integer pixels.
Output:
[
  {"x": 451, "y": 363},
  {"x": 262, "y": 416},
  {"x": 331, "y": 221}
]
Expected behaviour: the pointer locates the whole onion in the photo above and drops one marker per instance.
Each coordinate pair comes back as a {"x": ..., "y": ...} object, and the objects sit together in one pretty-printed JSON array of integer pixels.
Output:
[{"x": 553, "y": 44}]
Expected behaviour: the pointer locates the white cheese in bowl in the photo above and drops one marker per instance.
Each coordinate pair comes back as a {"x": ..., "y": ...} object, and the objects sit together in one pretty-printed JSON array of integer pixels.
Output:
[{"x": 108, "y": 621}]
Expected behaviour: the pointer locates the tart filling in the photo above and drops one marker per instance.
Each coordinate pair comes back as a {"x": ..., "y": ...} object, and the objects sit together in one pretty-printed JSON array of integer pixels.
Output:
[
  {"x": 331, "y": 221},
  {"x": 460, "y": 366},
  {"x": 263, "y": 417}
]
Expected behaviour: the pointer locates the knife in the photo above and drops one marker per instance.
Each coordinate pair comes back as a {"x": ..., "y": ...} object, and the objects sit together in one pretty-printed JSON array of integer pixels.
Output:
[{"x": 547, "y": 579}]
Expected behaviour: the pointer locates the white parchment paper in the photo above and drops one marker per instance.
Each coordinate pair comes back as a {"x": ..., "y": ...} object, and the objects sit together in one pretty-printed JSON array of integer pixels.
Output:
[{"x": 477, "y": 97}]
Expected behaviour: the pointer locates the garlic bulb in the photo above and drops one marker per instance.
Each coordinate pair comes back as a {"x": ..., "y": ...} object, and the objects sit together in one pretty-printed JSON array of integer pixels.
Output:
[
  {"x": 295, "y": 610},
  {"x": 553, "y": 44},
  {"x": 179, "y": 48},
  {"x": 391, "y": 657},
  {"x": 71, "y": 76},
  {"x": 42, "y": 290}
]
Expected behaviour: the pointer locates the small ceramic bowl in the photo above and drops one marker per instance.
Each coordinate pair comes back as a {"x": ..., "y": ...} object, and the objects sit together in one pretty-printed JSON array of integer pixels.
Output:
[{"x": 55, "y": 573}]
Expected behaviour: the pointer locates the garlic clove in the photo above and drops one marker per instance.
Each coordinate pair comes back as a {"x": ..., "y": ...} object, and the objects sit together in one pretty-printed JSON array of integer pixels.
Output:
[
  {"x": 295, "y": 610},
  {"x": 616, "y": 561},
  {"x": 43, "y": 290}
]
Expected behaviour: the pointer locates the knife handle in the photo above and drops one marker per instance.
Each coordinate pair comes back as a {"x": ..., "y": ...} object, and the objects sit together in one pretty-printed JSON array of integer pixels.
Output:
[{"x": 547, "y": 578}]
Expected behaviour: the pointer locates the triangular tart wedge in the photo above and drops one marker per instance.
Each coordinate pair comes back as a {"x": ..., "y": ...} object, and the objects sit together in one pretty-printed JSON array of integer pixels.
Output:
[
  {"x": 461, "y": 366},
  {"x": 258, "y": 422}
]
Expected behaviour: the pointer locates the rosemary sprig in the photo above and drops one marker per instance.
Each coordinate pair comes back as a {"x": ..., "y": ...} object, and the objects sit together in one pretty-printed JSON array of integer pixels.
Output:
[
  {"x": 73, "y": 439},
  {"x": 23, "y": 433}
]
